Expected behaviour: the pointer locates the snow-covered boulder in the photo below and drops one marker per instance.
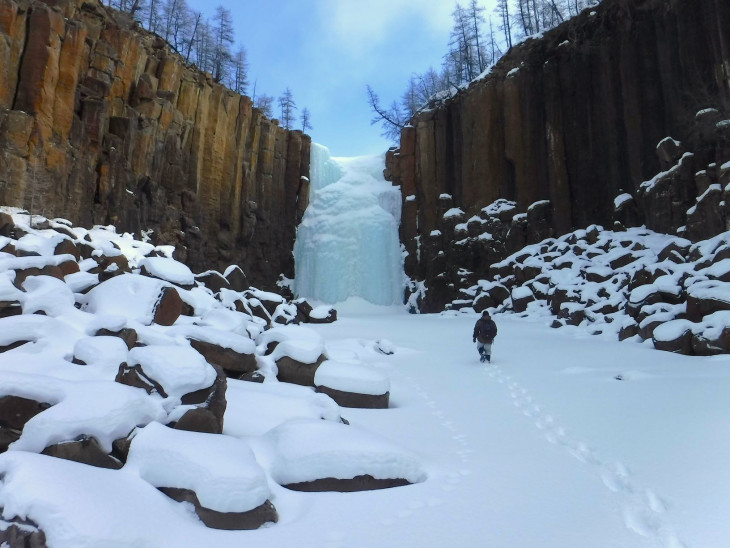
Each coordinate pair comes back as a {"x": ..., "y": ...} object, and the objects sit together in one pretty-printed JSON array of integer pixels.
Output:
[
  {"x": 521, "y": 297},
  {"x": 323, "y": 314},
  {"x": 231, "y": 352},
  {"x": 297, "y": 360},
  {"x": 176, "y": 370},
  {"x": 137, "y": 298},
  {"x": 353, "y": 385},
  {"x": 168, "y": 270},
  {"x": 255, "y": 408},
  {"x": 217, "y": 474},
  {"x": 316, "y": 455},
  {"x": 674, "y": 336},
  {"x": 705, "y": 298}
]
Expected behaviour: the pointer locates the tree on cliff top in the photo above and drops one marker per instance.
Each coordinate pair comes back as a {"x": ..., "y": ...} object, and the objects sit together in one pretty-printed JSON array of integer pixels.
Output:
[
  {"x": 391, "y": 120},
  {"x": 239, "y": 79},
  {"x": 223, "y": 35},
  {"x": 306, "y": 118},
  {"x": 265, "y": 103},
  {"x": 288, "y": 108}
]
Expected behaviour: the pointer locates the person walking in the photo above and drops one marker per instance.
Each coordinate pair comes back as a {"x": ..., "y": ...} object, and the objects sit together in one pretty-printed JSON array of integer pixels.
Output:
[{"x": 485, "y": 331}]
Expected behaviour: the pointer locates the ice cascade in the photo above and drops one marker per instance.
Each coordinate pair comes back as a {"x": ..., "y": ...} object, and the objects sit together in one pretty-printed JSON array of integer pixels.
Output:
[{"x": 347, "y": 243}]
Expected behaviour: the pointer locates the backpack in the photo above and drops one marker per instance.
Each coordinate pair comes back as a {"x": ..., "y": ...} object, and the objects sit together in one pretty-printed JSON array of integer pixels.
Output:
[
  {"x": 490, "y": 330},
  {"x": 487, "y": 331}
]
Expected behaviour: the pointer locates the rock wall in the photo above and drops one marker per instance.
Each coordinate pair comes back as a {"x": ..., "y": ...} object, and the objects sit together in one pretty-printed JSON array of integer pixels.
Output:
[
  {"x": 101, "y": 123},
  {"x": 573, "y": 118}
]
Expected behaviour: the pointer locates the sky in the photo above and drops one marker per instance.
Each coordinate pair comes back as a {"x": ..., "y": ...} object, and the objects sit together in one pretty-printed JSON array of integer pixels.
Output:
[{"x": 327, "y": 51}]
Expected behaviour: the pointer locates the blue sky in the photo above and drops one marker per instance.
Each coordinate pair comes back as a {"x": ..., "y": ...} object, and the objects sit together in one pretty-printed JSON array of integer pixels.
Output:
[{"x": 327, "y": 51}]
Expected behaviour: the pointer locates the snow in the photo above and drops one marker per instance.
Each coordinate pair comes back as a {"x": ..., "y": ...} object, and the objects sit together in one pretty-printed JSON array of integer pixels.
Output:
[
  {"x": 521, "y": 292},
  {"x": 566, "y": 439},
  {"x": 221, "y": 470},
  {"x": 544, "y": 443},
  {"x": 80, "y": 281},
  {"x": 178, "y": 369},
  {"x": 303, "y": 351},
  {"x": 621, "y": 199},
  {"x": 347, "y": 243},
  {"x": 453, "y": 212},
  {"x": 348, "y": 377},
  {"x": 168, "y": 269},
  {"x": 307, "y": 450},
  {"x": 647, "y": 186},
  {"x": 128, "y": 295},
  {"x": 46, "y": 294},
  {"x": 104, "y": 352},
  {"x": 253, "y": 409},
  {"x": 538, "y": 204},
  {"x": 104, "y": 410},
  {"x": 225, "y": 339},
  {"x": 672, "y": 330},
  {"x": 320, "y": 312},
  {"x": 669, "y": 140}
]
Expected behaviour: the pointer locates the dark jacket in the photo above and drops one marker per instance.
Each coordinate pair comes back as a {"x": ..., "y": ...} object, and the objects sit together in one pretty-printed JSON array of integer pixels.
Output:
[{"x": 485, "y": 330}]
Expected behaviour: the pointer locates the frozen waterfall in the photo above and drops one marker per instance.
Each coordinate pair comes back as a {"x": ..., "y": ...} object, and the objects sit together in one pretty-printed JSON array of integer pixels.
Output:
[{"x": 347, "y": 243}]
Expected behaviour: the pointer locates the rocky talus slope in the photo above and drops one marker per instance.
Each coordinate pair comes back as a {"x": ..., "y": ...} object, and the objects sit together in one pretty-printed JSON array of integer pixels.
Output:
[
  {"x": 123, "y": 373},
  {"x": 570, "y": 121},
  {"x": 101, "y": 123}
]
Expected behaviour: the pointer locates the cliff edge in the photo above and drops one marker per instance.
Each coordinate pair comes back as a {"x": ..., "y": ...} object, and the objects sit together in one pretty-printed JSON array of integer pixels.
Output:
[
  {"x": 568, "y": 122},
  {"x": 101, "y": 123}
]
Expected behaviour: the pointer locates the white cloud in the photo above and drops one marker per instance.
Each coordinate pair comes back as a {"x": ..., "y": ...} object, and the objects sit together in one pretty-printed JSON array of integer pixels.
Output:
[{"x": 359, "y": 25}]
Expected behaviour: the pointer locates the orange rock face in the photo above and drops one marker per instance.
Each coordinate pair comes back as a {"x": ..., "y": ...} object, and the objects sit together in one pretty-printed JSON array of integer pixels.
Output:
[{"x": 101, "y": 123}]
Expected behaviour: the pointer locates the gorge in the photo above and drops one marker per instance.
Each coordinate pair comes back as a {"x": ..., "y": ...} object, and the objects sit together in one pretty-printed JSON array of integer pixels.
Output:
[{"x": 101, "y": 123}]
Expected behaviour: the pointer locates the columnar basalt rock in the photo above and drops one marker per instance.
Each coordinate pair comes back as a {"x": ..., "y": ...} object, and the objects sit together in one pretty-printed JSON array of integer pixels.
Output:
[
  {"x": 102, "y": 123},
  {"x": 573, "y": 117}
]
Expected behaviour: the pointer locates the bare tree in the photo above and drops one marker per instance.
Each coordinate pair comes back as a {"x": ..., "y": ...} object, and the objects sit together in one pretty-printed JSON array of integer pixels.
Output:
[
  {"x": 288, "y": 108},
  {"x": 239, "y": 81},
  {"x": 203, "y": 46},
  {"x": 476, "y": 15},
  {"x": 306, "y": 118},
  {"x": 391, "y": 120},
  {"x": 195, "y": 17},
  {"x": 266, "y": 104},
  {"x": 502, "y": 10},
  {"x": 223, "y": 37}
]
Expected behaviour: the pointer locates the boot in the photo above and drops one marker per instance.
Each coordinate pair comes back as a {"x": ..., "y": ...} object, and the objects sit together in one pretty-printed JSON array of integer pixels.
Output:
[{"x": 488, "y": 358}]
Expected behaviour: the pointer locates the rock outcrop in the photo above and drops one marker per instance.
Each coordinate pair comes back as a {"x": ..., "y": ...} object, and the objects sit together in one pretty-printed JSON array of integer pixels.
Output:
[
  {"x": 101, "y": 123},
  {"x": 572, "y": 118}
]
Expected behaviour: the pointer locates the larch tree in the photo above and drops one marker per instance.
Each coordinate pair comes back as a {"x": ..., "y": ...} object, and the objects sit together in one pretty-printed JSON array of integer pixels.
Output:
[
  {"x": 239, "y": 81},
  {"x": 288, "y": 108},
  {"x": 391, "y": 120},
  {"x": 306, "y": 119},
  {"x": 223, "y": 38},
  {"x": 265, "y": 103}
]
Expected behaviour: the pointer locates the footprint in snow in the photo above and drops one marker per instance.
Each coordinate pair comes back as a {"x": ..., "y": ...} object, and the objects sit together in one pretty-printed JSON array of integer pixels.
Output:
[
  {"x": 616, "y": 478},
  {"x": 583, "y": 453},
  {"x": 655, "y": 502},
  {"x": 641, "y": 521}
]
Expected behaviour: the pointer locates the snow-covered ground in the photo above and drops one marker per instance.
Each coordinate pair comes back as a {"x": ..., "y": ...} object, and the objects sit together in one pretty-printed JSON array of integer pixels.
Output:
[{"x": 546, "y": 447}]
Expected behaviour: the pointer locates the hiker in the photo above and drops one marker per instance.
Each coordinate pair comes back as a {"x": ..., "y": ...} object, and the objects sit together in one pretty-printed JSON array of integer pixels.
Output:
[{"x": 484, "y": 332}]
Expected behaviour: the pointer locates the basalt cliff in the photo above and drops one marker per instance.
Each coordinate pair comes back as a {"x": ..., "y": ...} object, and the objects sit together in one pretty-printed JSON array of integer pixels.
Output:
[
  {"x": 101, "y": 123},
  {"x": 617, "y": 118}
]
